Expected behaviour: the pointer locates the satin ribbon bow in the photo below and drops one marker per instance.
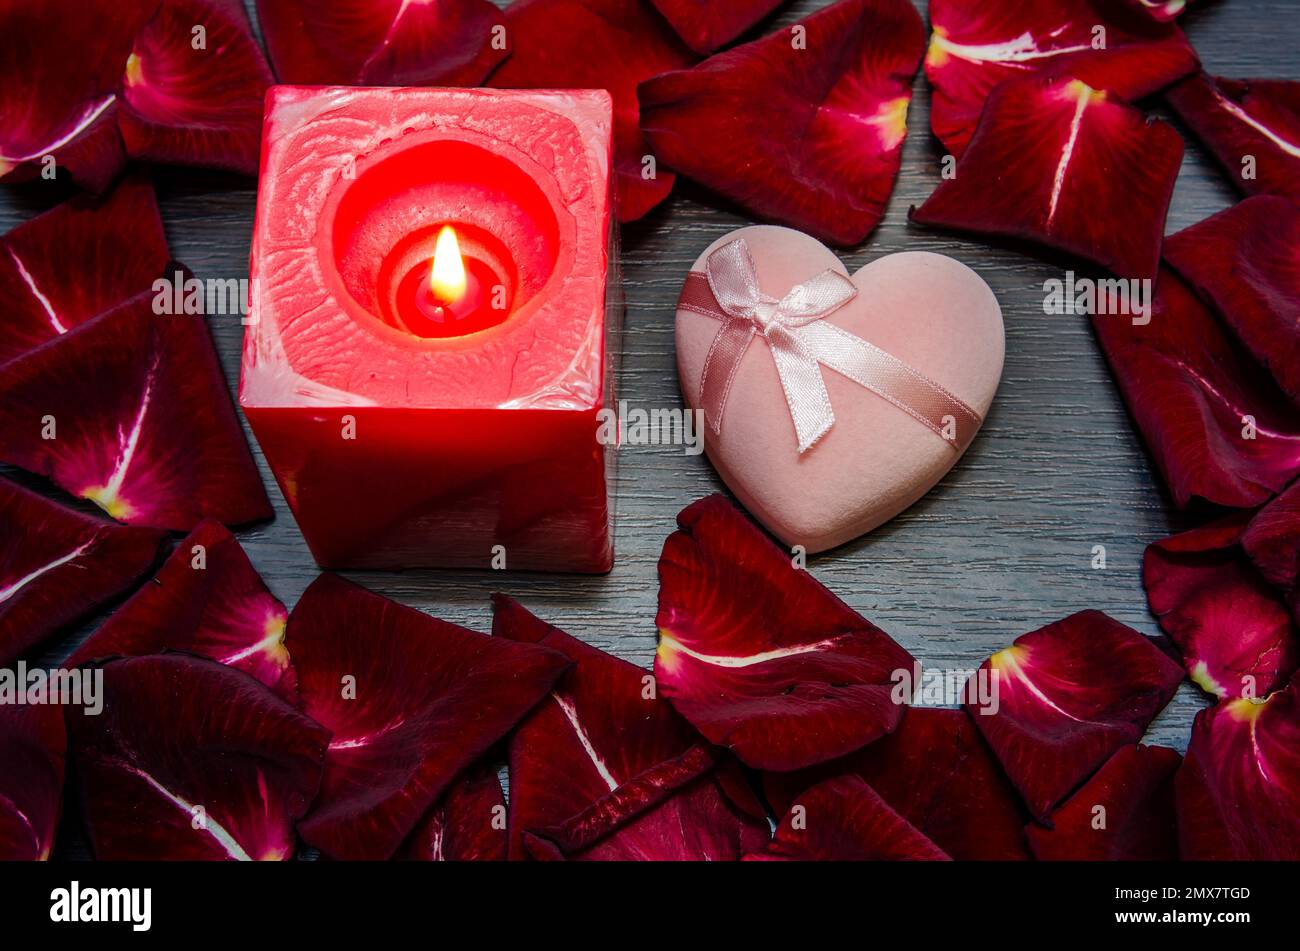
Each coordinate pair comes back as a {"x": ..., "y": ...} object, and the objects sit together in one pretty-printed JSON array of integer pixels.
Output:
[{"x": 801, "y": 342}]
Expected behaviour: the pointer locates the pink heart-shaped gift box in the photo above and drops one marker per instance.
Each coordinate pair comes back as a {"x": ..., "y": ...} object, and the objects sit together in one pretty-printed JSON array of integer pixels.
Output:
[{"x": 931, "y": 312}]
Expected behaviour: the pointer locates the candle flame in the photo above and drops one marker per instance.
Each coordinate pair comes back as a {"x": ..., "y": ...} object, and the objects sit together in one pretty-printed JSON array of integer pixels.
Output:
[{"x": 447, "y": 276}]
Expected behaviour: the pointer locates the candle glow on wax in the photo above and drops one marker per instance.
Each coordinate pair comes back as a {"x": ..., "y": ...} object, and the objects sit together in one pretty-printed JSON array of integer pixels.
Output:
[{"x": 451, "y": 294}]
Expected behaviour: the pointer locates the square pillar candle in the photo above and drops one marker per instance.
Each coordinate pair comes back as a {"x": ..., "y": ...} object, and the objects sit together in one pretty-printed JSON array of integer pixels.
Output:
[{"x": 434, "y": 305}]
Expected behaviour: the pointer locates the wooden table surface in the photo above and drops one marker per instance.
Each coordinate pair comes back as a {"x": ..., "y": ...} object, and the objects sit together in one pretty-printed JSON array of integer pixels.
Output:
[{"x": 1002, "y": 546}]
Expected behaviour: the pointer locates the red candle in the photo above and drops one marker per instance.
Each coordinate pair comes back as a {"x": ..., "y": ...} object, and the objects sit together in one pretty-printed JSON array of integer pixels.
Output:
[{"x": 428, "y": 346}]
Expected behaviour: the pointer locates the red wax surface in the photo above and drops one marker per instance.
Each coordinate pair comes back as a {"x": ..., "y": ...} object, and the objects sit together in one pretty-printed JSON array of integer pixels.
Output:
[
  {"x": 427, "y": 313},
  {"x": 400, "y": 450}
]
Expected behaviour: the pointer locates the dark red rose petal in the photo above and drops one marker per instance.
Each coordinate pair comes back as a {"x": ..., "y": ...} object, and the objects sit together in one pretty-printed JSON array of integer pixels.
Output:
[
  {"x": 758, "y": 655},
  {"x": 1070, "y": 695},
  {"x": 381, "y": 42},
  {"x": 701, "y": 821},
  {"x": 32, "y": 749},
  {"x": 1238, "y": 792},
  {"x": 1125, "y": 813},
  {"x": 1272, "y": 540},
  {"x": 207, "y": 600},
  {"x": 76, "y": 261},
  {"x": 1234, "y": 629},
  {"x": 467, "y": 825},
  {"x": 412, "y": 701},
  {"x": 822, "y": 152},
  {"x": 60, "y": 71},
  {"x": 706, "y": 25},
  {"x": 602, "y": 44},
  {"x": 143, "y": 424},
  {"x": 57, "y": 564},
  {"x": 196, "y": 106},
  {"x": 600, "y": 728},
  {"x": 976, "y": 46},
  {"x": 1243, "y": 119},
  {"x": 845, "y": 820},
  {"x": 615, "y": 807},
  {"x": 937, "y": 773},
  {"x": 1245, "y": 263},
  {"x": 602, "y": 769},
  {"x": 190, "y": 759},
  {"x": 1197, "y": 398},
  {"x": 1061, "y": 164}
]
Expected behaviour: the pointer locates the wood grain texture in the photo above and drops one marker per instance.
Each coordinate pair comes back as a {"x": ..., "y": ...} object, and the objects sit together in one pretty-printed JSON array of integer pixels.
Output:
[{"x": 1002, "y": 546}]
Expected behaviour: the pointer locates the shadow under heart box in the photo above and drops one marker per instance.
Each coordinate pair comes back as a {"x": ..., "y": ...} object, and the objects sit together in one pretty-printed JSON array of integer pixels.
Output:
[
  {"x": 433, "y": 325},
  {"x": 834, "y": 402}
]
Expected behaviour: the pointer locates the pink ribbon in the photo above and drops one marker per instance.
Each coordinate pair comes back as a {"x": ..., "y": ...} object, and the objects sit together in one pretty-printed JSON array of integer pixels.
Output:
[{"x": 801, "y": 342}]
